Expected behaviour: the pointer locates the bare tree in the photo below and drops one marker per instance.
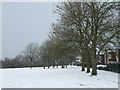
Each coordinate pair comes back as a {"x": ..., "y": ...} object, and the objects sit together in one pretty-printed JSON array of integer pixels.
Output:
[
  {"x": 31, "y": 51},
  {"x": 88, "y": 23}
]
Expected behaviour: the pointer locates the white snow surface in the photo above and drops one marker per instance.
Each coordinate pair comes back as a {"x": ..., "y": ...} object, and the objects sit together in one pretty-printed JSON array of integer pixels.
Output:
[
  {"x": 0, "y": 79},
  {"x": 71, "y": 77},
  {"x": 101, "y": 66}
]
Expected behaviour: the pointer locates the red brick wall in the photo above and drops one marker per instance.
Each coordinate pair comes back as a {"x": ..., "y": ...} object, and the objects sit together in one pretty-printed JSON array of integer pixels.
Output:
[{"x": 113, "y": 56}]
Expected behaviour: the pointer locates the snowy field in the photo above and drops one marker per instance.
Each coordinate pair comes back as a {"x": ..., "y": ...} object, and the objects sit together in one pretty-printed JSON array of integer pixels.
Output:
[
  {"x": 70, "y": 77},
  {"x": 0, "y": 79}
]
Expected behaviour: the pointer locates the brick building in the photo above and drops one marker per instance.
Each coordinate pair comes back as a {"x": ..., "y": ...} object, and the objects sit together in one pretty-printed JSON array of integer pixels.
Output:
[{"x": 110, "y": 56}]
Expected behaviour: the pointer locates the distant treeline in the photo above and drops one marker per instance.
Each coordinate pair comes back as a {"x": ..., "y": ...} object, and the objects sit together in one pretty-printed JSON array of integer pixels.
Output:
[{"x": 21, "y": 61}]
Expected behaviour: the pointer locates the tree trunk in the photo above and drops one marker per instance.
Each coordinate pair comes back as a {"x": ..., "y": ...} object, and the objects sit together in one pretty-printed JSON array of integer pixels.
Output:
[
  {"x": 94, "y": 62},
  {"x": 18, "y": 64},
  {"x": 43, "y": 64},
  {"x": 31, "y": 63},
  {"x": 48, "y": 67},
  {"x": 57, "y": 64},
  {"x": 48, "y": 64},
  {"x": 66, "y": 63},
  {"x": 82, "y": 61},
  {"x": 62, "y": 64},
  {"x": 53, "y": 63},
  {"x": 88, "y": 62}
]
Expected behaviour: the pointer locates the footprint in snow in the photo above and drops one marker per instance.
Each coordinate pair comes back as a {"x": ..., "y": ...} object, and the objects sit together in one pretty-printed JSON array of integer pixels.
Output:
[
  {"x": 116, "y": 82},
  {"x": 91, "y": 76},
  {"x": 82, "y": 85}
]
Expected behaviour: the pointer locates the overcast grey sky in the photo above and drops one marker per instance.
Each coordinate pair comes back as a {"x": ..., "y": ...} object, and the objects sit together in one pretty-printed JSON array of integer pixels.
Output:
[{"x": 23, "y": 23}]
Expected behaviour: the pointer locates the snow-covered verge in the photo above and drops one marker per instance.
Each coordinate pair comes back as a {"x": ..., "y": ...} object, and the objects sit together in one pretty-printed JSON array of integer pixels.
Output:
[
  {"x": 101, "y": 66},
  {"x": 70, "y": 77}
]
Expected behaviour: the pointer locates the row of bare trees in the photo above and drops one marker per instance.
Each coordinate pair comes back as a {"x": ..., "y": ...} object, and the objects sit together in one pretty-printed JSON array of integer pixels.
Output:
[
  {"x": 20, "y": 61},
  {"x": 46, "y": 55},
  {"x": 83, "y": 29},
  {"x": 88, "y": 27}
]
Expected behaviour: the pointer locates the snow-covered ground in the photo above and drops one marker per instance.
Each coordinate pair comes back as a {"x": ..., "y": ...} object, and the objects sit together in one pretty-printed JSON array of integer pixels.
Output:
[
  {"x": 0, "y": 79},
  {"x": 70, "y": 77}
]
